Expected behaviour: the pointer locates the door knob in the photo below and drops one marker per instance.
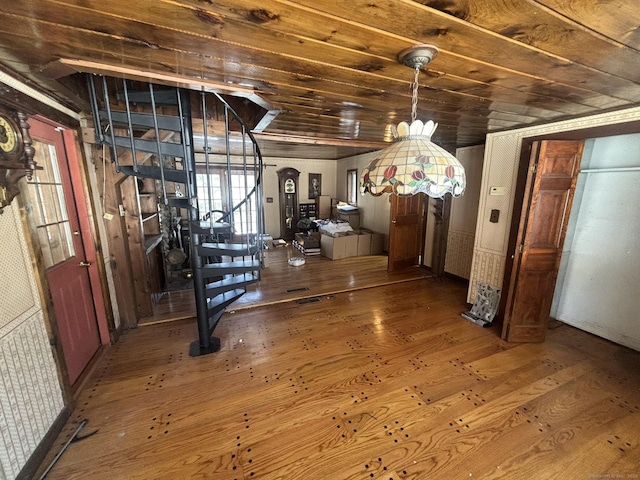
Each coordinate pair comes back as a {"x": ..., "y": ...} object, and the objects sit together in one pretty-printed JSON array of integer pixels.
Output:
[
  {"x": 393, "y": 221},
  {"x": 84, "y": 264}
]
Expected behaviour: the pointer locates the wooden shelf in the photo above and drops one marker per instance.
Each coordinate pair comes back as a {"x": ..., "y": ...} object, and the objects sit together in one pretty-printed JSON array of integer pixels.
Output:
[
  {"x": 151, "y": 242},
  {"x": 148, "y": 216}
]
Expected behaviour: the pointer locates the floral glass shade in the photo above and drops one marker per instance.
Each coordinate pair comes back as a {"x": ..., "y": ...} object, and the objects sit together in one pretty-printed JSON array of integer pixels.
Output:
[{"x": 414, "y": 164}]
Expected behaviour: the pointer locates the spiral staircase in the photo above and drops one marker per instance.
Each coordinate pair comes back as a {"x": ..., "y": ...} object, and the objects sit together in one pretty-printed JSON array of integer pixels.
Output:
[{"x": 155, "y": 126}]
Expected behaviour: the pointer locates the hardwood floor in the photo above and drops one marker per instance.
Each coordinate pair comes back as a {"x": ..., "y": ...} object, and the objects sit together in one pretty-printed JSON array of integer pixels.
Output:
[
  {"x": 281, "y": 282},
  {"x": 384, "y": 383}
]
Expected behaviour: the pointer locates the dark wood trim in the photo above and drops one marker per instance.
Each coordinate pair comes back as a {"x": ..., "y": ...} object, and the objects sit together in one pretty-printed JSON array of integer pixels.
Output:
[
  {"x": 34, "y": 465},
  {"x": 518, "y": 199},
  {"x": 524, "y": 194},
  {"x": 443, "y": 216},
  {"x": 598, "y": 131},
  {"x": 456, "y": 278},
  {"x": 31, "y": 106}
]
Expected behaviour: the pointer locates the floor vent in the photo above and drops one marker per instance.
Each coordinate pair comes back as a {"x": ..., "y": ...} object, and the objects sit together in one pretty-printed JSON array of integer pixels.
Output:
[
  {"x": 300, "y": 289},
  {"x": 302, "y": 301}
]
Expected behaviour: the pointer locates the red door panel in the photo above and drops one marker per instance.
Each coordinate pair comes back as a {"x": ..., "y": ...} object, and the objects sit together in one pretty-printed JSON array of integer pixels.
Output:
[{"x": 68, "y": 277}]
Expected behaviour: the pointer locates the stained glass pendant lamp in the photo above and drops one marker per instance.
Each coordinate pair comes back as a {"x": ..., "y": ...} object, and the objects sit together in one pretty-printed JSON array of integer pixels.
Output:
[{"x": 413, "y": 163}]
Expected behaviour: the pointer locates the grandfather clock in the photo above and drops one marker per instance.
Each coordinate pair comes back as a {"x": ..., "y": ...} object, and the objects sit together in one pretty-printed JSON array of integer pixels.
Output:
[{"x": 288, "y": 185}]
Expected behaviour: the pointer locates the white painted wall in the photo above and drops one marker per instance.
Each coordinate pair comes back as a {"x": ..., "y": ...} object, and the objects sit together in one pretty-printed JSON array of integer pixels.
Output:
[
  {"x": 464, "y": 214},
  {"x": 502, "y": 154},
  {"x": 598, "y": 282},
  {"x": 327, "y": 168},
  {"x": 375, "y": 212}
]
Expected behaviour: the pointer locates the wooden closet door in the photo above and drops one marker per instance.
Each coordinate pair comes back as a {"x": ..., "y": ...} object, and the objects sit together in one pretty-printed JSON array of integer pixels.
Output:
[{"x": 551, "y": 182}]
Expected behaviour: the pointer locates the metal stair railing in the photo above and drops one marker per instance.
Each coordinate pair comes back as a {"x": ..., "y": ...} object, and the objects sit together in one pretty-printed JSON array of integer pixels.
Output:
[
  {"x": 252, "y": 239},
  {"x": 208, "y": 309}
]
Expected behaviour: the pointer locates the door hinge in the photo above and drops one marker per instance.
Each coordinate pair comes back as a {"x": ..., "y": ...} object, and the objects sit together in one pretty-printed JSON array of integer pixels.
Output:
[
  {"x": 534, "y": 168},
  {"x": 521, "y": 247},
  {"x": 121, "y": 210}
]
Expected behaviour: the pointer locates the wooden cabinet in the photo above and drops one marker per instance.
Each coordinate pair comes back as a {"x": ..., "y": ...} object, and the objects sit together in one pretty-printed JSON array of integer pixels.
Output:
[{"x": 308, "y": 210}]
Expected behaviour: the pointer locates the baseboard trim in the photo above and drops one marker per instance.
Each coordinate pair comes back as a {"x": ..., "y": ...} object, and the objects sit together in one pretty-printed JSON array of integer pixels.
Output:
[
  {"x": 456, "y": 278},
  {"x": 34, "y": 464}
]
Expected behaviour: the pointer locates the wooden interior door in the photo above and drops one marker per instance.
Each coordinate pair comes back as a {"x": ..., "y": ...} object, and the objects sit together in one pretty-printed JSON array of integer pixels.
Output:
[
  {"x": 61, "y": 238},
  {"x": 554, "y": 167},
  {"x": 406, "y": 232}
]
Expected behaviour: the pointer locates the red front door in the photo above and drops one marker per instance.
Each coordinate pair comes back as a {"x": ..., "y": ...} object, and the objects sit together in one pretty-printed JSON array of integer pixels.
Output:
[{"x": 59, "y": 231}]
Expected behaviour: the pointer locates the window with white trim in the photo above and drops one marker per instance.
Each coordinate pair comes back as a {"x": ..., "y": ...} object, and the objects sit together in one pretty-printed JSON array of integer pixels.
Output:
[{"x": 212, "y": 196}]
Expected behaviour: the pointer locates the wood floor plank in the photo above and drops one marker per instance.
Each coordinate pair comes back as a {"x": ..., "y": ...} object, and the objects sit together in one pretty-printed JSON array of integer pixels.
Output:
[
  {"x": 579, "y": 449},
  {"x": 281, "y": 282},
  {"x": 371, "y": 383}
]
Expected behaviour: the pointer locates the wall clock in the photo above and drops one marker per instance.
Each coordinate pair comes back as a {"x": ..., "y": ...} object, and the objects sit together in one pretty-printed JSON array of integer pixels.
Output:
[
  {"x": 11, "y": 143},
  {"x": 16, "y": 154}
]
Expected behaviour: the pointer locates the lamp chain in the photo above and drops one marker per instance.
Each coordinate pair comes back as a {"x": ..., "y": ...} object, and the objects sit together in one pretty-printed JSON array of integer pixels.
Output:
[{"x": 414, "y": 95}]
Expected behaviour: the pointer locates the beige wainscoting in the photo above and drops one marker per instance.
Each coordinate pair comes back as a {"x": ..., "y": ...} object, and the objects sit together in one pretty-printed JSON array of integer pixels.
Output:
[
  {"x": 30, "y": 394},
  {"x": 501, "y": 157}
]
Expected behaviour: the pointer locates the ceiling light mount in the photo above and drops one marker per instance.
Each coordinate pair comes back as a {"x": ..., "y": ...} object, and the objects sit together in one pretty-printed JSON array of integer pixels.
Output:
[{"x": 418, "y": 56}]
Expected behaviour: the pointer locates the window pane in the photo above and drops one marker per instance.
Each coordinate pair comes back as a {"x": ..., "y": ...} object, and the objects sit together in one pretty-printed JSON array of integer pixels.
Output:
[
  {"x": 244, "y": 218},
  {"x": 352, "y": 186},
  {"x": 47, "y": 197},
  {"x": 46, "y": 248},
  {"x": 50, "y": 207},
  {"x": 56, "y": 243},
  {"x": 214, "y": 192},
  {"x": 45, "y": 155},
  {"x": 66, "y": 237}
]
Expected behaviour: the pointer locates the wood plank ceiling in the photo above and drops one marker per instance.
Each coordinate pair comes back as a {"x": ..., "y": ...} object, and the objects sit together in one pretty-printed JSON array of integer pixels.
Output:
[{"x": 330, "y": 67}]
